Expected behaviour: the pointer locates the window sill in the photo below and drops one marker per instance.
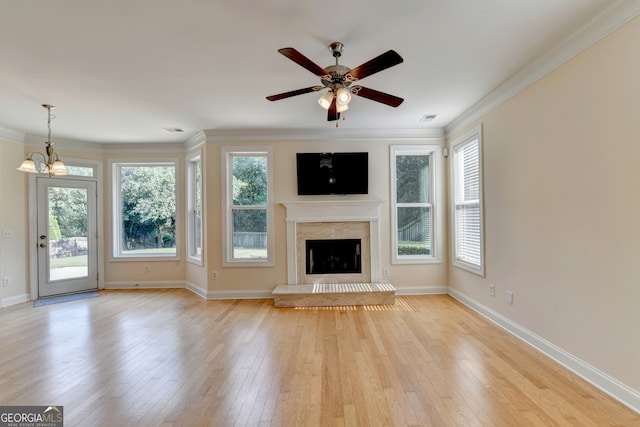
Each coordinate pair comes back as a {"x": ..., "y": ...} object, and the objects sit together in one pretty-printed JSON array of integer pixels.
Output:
[
  {"x": 477, "y": 270},
  {"x": 139, "y": 258},
  {"x": 416, "y": 260},
  {"x": 252, "y": 263}
]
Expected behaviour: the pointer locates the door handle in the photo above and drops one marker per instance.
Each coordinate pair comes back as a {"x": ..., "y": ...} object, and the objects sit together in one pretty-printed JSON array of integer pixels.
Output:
[
  {"x": 42, "y": 237},
  {"x": 43, "y": 245}
]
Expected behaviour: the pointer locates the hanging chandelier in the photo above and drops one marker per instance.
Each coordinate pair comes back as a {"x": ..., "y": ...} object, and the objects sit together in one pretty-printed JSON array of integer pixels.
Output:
[{"x": 50, "y": 164}]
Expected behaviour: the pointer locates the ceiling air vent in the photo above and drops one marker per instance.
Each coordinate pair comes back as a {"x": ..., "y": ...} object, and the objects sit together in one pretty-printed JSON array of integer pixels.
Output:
[{"x": 427, "y": 118}]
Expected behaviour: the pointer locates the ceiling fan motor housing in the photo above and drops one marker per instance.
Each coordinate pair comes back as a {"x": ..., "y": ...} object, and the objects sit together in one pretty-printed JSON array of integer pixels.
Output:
[{"x": 337, "y": 73}]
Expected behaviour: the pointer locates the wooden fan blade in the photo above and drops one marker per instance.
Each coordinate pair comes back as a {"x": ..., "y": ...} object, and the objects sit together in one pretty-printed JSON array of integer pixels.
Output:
[
  {"x": 376, "y": 95},
  {"x": 333, "y": 110},
  {"x": 379, "y": 63},
  {"x": 303, "y": 61},
  {"x": 294, "y": 93}
]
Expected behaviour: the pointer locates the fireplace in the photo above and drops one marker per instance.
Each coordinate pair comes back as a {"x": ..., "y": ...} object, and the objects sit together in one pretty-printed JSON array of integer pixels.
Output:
[
  {"x": 333, "y": 256},
  {"x": 352, "y": 220}
]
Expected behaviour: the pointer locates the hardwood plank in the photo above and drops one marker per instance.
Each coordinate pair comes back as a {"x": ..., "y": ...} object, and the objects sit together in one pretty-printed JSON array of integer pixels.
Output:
[{"x": 169, "y": 358}]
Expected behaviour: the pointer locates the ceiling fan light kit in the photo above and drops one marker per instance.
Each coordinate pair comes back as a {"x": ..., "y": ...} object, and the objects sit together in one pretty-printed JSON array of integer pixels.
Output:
[{"x": 338, "y": 80}]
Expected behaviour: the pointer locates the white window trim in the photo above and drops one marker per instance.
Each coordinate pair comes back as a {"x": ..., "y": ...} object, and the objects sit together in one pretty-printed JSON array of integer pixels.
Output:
[
  {"x": 227, "y": 195},
  {"x": 91, "y": 164},
  {"x": 473, "y": 134},
  {"x": 189, "y": 168},
  {"x": 437, "y": 204},
  {"x": 114, "y": 200}
]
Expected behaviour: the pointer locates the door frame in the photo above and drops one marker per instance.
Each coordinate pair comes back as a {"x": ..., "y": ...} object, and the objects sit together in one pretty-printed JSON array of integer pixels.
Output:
[
  {"x": 32, "y": 242},
  {"x": 48, "y": 286}
]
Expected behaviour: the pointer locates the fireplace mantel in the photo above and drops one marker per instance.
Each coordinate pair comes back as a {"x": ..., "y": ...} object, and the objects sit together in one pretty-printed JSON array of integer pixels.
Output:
[
  {"x": 319, "y": 211},
  {"x": 329, "y": 210}
]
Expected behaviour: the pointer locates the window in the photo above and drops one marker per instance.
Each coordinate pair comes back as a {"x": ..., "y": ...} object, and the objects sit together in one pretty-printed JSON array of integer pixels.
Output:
[
  {"x": 248, "y": 239},
  {"x": 413, "y": 210},
  {"x": 467, "y": 203},
  {"x": 144, "y": 209},
  {"x": 82, "y": 168},
  {"x": 194, "y": 209}
]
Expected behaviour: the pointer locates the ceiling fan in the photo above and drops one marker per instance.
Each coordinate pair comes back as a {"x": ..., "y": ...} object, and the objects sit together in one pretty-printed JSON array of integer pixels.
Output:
[{"x": 338, "y": 79}]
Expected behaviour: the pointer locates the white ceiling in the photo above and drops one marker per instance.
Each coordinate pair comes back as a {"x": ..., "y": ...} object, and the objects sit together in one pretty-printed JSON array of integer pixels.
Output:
[{"x": 119, "y": 71}]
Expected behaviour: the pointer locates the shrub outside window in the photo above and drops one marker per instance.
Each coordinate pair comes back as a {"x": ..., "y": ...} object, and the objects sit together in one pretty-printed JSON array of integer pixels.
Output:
[{"x": 413, "y": 172}]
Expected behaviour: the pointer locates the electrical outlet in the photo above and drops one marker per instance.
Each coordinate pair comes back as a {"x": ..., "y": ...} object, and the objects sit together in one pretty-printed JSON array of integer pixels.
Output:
[
  {"x": 146, "y": 268},
  {"x": 492, "y": 289},
  {"x": 509, "y": 297},
  {"x": 214, "y": 275},
  {"x": 385, "y": 272},
  {"x": 6, "y": 281}
]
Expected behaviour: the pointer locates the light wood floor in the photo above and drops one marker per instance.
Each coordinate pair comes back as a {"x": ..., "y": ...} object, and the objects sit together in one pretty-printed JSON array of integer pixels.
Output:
[{"x": 169, "y": 358}]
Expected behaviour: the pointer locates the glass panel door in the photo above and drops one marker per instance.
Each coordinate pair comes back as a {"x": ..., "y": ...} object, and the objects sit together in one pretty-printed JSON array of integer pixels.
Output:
[{"x": 67, "y": 256}]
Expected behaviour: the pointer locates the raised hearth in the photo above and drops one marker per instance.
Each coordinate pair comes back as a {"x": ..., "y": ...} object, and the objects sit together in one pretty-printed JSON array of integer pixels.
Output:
[{"x": 334, "y": 294}]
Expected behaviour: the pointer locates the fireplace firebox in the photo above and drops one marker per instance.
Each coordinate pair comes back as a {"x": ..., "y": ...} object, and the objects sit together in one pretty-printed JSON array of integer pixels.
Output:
[{"x": 333, "y": 256}]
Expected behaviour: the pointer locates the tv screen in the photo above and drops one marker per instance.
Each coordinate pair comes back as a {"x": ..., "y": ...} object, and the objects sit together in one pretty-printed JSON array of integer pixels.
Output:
[{"x": 332, "y": 173}]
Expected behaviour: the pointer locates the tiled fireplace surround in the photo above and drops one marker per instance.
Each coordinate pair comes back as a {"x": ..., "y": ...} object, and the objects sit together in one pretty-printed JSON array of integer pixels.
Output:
[{"x": 352, "y": 219}]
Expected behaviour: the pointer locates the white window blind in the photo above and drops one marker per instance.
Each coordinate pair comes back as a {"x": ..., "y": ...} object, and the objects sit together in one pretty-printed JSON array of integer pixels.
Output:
[
  {"x": 194, "y": 208},
  {"x": 468, "y": 204}
]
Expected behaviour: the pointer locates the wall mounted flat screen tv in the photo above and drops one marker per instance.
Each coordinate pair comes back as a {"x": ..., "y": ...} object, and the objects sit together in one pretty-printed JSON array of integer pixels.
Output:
[{"x": 332, "y": 173}]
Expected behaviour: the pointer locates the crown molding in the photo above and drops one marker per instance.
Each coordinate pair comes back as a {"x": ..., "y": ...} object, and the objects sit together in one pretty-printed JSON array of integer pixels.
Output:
[
  {"x": 195, "y": 141},
  {"x": 144, "y": 148},
  {"x": 595, "y": 30},
  {"x": 11, "y": 136},
  {"x": 338, "y": 134},
  {"x": 65, "y": 144}
]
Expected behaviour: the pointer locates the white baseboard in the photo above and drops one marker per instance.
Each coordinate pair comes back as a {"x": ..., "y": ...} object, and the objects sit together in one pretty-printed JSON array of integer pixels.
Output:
[
  {"x": 421, "y": 290},
  {"x": 18, "y": 299},
  {"x": 239, "y": 294},
  {"x": 201, "y": 292},
  {"x": 169, "y": 284},
  {"x": 604, "y": 382}
]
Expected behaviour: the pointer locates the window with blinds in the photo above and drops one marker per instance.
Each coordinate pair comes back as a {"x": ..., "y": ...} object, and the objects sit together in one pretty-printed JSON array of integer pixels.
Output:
[
  {"x": 194, "y": 208},
  {"x": 467, "y": 199}
]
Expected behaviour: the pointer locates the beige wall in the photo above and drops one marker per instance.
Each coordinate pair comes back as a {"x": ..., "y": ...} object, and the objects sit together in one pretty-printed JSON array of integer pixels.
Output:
[
  {"x": 562, "y": 207},
  {"x": 13, "y": 218},
  {"x": 284, "y": 155}
]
